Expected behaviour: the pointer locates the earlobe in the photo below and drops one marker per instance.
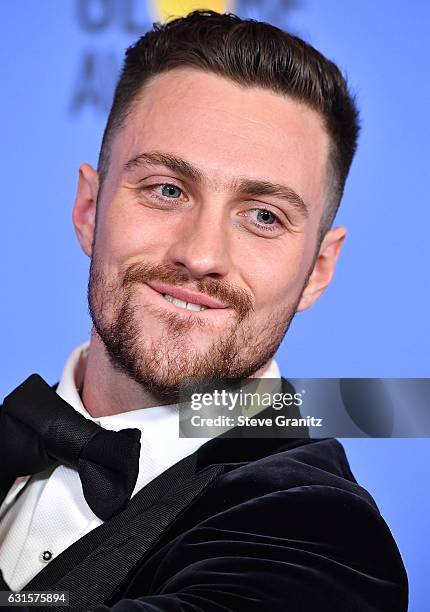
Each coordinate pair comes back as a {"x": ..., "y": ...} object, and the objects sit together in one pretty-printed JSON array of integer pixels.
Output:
[
  {"x": 324, "y": 267},
  {"x": 84, "y": 209}
]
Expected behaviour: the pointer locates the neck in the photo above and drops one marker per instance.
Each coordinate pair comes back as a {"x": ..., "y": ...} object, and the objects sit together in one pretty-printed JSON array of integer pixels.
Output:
[{"x": 107, "y": 391}]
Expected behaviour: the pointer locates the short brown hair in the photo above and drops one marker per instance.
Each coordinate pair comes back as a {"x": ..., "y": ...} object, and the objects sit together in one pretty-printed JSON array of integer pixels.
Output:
[{"x": 250, "y": 53}]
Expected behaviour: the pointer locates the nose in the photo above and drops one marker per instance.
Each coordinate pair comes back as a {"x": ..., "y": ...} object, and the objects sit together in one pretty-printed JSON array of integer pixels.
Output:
[{"x": 200, "y": 244}]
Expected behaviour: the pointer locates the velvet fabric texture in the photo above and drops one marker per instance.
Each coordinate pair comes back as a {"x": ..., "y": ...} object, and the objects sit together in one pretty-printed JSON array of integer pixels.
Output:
[
  {"x": 243, "y": 525},
  {"x": 288, "y": 532}
]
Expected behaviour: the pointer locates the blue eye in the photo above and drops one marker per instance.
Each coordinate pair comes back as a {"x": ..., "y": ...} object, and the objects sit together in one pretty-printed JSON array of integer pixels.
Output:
[
  {"x": 170, "y": 191},
  {"x": 266, "y": 217},
  {"x": 265, "y": 220}
]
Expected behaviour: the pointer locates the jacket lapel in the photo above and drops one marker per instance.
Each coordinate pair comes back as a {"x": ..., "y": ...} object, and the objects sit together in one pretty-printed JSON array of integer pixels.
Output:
[{"x": 125, "y": 540}]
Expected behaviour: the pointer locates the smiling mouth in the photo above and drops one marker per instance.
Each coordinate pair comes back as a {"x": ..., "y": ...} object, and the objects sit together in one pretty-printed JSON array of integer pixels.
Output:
[
  {"x": 182, "y": 304},
  {"x": 185, "y": 299}
]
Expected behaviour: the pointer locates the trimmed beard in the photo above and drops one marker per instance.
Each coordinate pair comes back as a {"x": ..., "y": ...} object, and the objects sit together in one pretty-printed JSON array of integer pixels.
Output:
[{"x": 164, "y": 365}]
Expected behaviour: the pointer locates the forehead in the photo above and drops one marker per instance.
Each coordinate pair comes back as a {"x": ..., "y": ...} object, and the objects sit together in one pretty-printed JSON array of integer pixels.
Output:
[{"x": 227, "y": 130}]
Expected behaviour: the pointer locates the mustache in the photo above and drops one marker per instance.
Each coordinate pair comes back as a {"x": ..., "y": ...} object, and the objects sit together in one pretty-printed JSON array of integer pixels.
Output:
[{"x": 234, "y": 297}]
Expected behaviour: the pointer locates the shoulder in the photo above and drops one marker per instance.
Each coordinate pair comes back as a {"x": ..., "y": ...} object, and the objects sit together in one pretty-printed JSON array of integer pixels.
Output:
[
  {"x": 307, "y": 493},
  {"x": 307, "y": 497},
  {"x": 307, "y": 463},
  {"x": 292, "y": 524}
]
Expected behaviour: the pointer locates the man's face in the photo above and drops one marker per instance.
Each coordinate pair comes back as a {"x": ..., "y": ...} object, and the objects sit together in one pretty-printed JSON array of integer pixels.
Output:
[{"x": 213, "y": 197}]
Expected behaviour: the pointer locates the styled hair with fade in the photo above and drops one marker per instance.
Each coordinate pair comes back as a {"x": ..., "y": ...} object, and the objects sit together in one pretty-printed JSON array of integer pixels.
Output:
[{"x": 252, "y": 54}]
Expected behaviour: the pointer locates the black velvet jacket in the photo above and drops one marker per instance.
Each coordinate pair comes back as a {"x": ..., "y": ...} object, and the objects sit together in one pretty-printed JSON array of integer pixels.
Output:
[{"x": 243, "y": 525}]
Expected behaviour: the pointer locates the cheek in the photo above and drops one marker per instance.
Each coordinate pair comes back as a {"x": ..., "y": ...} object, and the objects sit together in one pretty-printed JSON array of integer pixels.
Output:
[
  {"x": 276, "y": 272},
  {"x": 124, "y": 234}
]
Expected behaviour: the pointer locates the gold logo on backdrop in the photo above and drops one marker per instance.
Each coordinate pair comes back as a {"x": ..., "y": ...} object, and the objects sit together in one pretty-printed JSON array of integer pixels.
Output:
[{"x": 169, "y": 9}]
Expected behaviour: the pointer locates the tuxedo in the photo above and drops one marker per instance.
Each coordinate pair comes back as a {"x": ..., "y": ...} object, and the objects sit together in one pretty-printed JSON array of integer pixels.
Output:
[{"x": 241, "y": 525}]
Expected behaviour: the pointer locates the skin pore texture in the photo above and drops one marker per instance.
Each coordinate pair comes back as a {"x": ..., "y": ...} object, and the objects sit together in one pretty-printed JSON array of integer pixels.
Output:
[{"x": 215, "y": 189}]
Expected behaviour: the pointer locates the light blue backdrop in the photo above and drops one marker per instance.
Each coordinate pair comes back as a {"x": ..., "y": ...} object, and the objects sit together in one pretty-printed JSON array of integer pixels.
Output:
[{"x": 58, "y": 63}]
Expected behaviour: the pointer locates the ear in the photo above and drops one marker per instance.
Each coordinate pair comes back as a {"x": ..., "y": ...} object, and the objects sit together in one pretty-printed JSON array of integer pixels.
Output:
[
  {"x": 324, "y": 267},
  {"x": 84, "y": 209}
]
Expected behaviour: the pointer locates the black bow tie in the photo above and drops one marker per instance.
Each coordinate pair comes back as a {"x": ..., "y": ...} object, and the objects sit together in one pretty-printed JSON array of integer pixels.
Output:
[{"x": 38, "y": 429}]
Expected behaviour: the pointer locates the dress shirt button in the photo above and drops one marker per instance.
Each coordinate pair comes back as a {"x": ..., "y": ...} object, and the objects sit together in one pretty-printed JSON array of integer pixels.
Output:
[{"x": 46, "y": 556}]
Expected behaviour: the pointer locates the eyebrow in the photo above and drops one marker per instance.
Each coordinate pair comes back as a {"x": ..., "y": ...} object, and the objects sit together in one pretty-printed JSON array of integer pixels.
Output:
[{"x": 241, "y": 185}]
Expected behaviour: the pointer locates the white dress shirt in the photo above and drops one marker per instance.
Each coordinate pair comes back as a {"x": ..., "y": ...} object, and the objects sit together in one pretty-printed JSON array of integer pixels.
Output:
[{"x": 44, "y": 514}]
